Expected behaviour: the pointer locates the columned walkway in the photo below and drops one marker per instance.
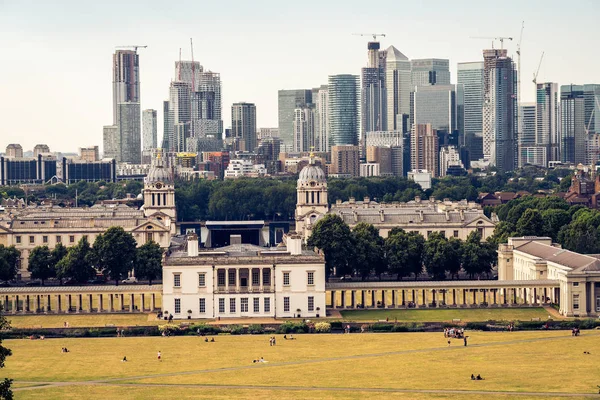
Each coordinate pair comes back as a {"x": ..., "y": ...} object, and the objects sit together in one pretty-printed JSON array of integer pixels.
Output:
[
  {"x": 81, "y": 299},
  {"x": 438, "y": 294}
]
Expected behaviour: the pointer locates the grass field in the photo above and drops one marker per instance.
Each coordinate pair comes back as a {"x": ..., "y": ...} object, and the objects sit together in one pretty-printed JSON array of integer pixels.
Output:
[
  {"x": 540, "y": 364},
  {"x": 441, "y": 315}
]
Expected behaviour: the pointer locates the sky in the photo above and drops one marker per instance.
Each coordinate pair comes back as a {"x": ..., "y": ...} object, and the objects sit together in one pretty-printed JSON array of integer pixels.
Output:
[{"x": 56, "y": 58}]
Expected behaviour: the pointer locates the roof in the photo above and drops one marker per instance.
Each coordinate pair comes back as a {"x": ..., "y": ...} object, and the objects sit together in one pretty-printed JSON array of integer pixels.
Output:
[
  {"x": 393, "y": 54},
  {"x": 576, "y": 261},
  {"x": 451, "y": 284},
  {"x": 383, "y": 216}
]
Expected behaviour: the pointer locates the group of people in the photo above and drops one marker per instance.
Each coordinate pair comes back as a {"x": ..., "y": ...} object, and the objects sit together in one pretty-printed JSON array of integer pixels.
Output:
[
  {"x": 476, "y": 378},
  {"x": 64, "y": 350},
  {"x": 272, "y": 341},
  {"x": 120, "y": 332},
  {"x": 575, "y": 332},
  {"x": 32, "y": 337},
  {"x": 260, "y": 360},
  {"x": 211, "y": 339},
  {"x": 66, "y": 324},
  {"x": 289, "y": 338},
  {"x": 454, "y": 333}
]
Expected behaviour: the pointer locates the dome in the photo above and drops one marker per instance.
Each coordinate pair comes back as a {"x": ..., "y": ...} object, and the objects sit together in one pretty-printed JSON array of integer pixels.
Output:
[
  {"x": 311, "y": 172},
  {"x": 158, "y": 172}
]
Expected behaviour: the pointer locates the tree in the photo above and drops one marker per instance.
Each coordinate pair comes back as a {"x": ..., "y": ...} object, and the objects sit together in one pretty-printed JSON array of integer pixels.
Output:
[
  {"x": 5, "y": 392},
  {"x": 478, "y": 257},
  {"x": 582, "y": 235},
  {"x": 530, "y": 223},
  {"x": 40, "y": 264},
  {"x": 439, "y": 255},
  {"x": 554, "y": 220},
  {"x": 502, "y": 232},
  {"x": 9, "y": 262},
  {"x": 369, "y": 256},
  {"x": 115, "y": 252},
  {"x": 148, "y": 264},
  {"x": 404, "y": 252},
  {"x": 457, "y": 248},
  {"x": 77, "y": 264},
  {"x": 331, "y": 235}
]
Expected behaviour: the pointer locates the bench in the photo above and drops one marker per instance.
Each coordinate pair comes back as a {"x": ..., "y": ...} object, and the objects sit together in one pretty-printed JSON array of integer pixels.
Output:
[{"x": 456, "y": 320}]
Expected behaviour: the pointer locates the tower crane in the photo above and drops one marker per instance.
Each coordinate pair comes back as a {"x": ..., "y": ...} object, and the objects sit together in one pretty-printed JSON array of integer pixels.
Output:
[
  {"x": 370, "y": 34},
  {"x": 500, "y": 38},
  {"x": 519, "y": 98},
  {"x": 535, "y": 75},
  {"x": 132, "y": 46}
]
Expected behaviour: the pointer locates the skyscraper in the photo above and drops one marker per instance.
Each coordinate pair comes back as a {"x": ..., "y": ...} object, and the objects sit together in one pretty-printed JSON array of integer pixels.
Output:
[
  {"x": 500, "y": 109},
  {"x": 373, "y": 95},
  {"x": 547, "y": 130},
  {"x": 243, "y": 125},
  {"x": 343, "y": 110},
  {"x": 130, "y": 140},
  {"x": 424, "y": 148},
  {"x": 398, "y": 86},
  {"x": 470, "y": 77},
  {"x": 111, "y": 142},
  {"x": 206, "y": 106},
  {"x": 430, "y": 71},
  {"x": 179, "y": 113},
  {"x": 188, "y": 72},
  {"x": 304, "y": 128},
  {"x": 149, "y": 130},
  {"x": 288, "y": 101},
  {"x": 529, "y": 152},
  {"x": 126, "y": 79},
  {"x": 437, "y": 105},
  {"x": 573, "y": 124},
  {"x": 321, "y": 99}
]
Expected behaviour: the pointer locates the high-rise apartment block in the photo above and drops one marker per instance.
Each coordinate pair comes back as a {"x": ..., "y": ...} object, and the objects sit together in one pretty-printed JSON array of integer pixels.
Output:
[
  {"x": 383, "y": 157},
  {"x": 149, "y": 130},
  {"x": 424, "y": 148},
  {"x": 321, "y": 100},
  {"x": 547, "y": 125},
  {"x": 267, "y": 132},
  {"x": 345, "y": 161},
  {"x": 579, "y": 105},
  {"x": 373, "y": 93},
  {"x": 288, "y": 101},
  {"x": 398, "y": 86},
  {"x": 243, "y": 125},
  {"x": 126, "y": 79},
  {"x": 500, "y": 110},
  {"x": 304, "y": 128},
  {"x": 111, "y": 143},
  {"x": 449, "y": 157},
  {"x": 128, "y": 127},
  {"x": 89, "y": 154},
  {"x": 343, "y": 110},
  {"x": 470, "y": 77},
  {"x": 14, "y": 150},
  {"x": 394, "y": 140},
  {"x": 529, "y": 152},
  {"x": 430, "y": 71}
]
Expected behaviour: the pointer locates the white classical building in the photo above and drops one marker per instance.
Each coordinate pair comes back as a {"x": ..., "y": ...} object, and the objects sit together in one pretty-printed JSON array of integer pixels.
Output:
[
  {"x": 536, "y": 258},
  {"x": 243, "y": 281}
]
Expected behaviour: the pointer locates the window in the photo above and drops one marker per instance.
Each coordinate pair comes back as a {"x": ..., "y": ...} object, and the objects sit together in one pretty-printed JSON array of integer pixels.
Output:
[
  {"x": 256, "y": 304},
  {"x": 202, "y": 305},
  {"x": 286, "y": 279},
  {"x": 221, "y": 278},
  {"x": 244, "y": 304},
  {"x": 221, "y": 305},
  {"x": 177, "y": 280},
  {"x": 31, "y": 239},
  {"x": 575, "y": 302},
  {"x": 177, "y": 306},
  {"x": 18, "y": 239},
  {"x": 44, "y": 239},
  {"x": 59, "y": 239},
  {"x": 267, "y": 305},
  {"x": 202, "y": 280},
  {"x": 455, "y": 233},
  {"x": 575, "y": 283},
  {"x": 255, "y": 278},
  {"x": 311, "y": 278},
  {"x": 231, "y": 279},
  {"x": 311, "y": 303},
  {"x": 266, "y": 277},
  {"x": 232, "y": 305},
  {"x": 286, "y": 304},
  {"x": 71, "y": 239}
]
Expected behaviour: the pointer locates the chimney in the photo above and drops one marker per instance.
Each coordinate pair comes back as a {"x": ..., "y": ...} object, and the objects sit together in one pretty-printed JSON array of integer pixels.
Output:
[
  {"x": 294, "y": 244},
  {"x": 235, "y": 239},
  {"x": 192, "y": 245}
]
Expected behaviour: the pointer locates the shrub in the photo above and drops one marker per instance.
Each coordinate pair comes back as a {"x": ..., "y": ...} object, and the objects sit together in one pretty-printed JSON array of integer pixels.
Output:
[
  {"x": 270, "y": 329},
  {"x": 336, "y": 325},
  {"x": 205, "y": 329},
  {"x": 323, "y": 327},
  {"x": 236, "y": 329},
  {"x": 255, "y": 329},
  {"x": 293, "y": 327},
  {"x": 171, "y": 329},
  {"x": 382, "y": 327}
]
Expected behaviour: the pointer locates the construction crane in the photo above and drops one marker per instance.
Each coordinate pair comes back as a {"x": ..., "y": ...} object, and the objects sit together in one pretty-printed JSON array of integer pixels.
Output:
[
  {"x": 132, "y": 46},
  {"x": 519, "y": 98},
  {"x": 538, "y": 70},
  {"x": 500, "y": 38},
  {"x": 370, "y": 34}
]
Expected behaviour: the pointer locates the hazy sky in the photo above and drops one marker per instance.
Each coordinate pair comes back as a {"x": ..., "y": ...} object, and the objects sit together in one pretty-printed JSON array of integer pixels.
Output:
[{"x": 55, "y": 58}]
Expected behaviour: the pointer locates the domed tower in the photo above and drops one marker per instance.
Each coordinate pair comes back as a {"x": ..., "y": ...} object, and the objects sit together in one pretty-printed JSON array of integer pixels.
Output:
[
  {"x": 159, "y": 194},
  {"x": 312, "y": 198}
]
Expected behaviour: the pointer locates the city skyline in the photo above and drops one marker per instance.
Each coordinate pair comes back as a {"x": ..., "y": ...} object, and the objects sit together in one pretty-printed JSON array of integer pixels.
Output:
[{"x": 48, "y": 35}]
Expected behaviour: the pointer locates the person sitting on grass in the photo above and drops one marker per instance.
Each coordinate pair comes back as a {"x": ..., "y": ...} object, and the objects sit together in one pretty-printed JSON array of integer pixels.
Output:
[
  {"x": 472, "y": 377},
  {"x": 212, "y": 339},
  {"x": 479, "y": 378},
  {"x": 206, "y": 339},
  {"x": 124, "y": 359}
]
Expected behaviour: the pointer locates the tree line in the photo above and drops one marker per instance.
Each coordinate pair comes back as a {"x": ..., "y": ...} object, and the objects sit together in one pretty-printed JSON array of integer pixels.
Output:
[
  {"x": 363, "y": 252},
  {"x": 113, "y": 255}
]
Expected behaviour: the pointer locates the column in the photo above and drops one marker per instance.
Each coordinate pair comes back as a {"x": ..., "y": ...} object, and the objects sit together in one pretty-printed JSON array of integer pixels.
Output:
[
  {"x": 363, "y": 298},
  {"x": 122, "y": 302},
  {"x": 394, "y": 300},
  {"x": 153, "y": 302},
  {"x": 353, "y": 299},
  {"x": 237, "y": 279},
  {"x": 260, "y": 277},
  {"x": 143, "y": 299},
  {"x": 374, "y": 298},
  {"x": 454, "y": 297},
  {"x": 89, "y": 307},
  {"x": 46, "y": 304},
  {"x": 333, "y": 299},
  {"x": 403, "y": 298},
  {"x": 58, "y": 304},
  {"x": 68, "y": 297},
  {"x": 486, "y": 293},
  {"x": 424, "y": 298},
  {"x": 111, "y": 303},
  {"x": 495, "y": 293},
  {"x": 78, "y": 297},
  {"x": 14, "y": 304},
  {"x": 38, "y": 304},
  {"x": 131, "y": 302},
  {"x": 343, "y": 304},
  {"x": 383, "y": 302},
  {"x": 100, "y": 305},
  {"x": 464, "y": 292},
  {"x": 414, "y": 297}
]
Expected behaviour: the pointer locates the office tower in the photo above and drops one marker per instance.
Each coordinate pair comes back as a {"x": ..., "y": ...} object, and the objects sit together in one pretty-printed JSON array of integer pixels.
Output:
[
  {"x": 14, "y": 150},
  {"x": 321, "y": 100},
  {"x": 529, "y": 152},
  {"x": 573, "y": 124},
  {"x": 267, "y": 133},
  {"x": 149, "y": 130},
  {"x": 343, "y": 110},
  {"x": 126, "y": 79},
  {"x": 430, "y": 71},
  {"x": 179, "y": 111},
  {"x": 40, "y": 149},
  {"x": 373, "y": 95},
  {"x": 268, "y": 153},
  {"x": 188, "y": 72},
  {"x": 243, "y": 125},
  {"x": 167, "y": 126},
  {"x": 74, "y": 170},
  {"x": 206, "y": 106},
  {"x": 398, "y": 86},
  {"x": 130, "y": 140},
  {"x": 437, "y": 105},
  {"x": 470, "y": 78},
  {"x": 382, "y": 156},
  {"x": 345, "y": 161},
  {"x": 449, "y": 157},
  {"x": 111, "y": 142},
  {"x": 591, "y": 96},
  {"x": 500, "y": 109},
  {"x": 547, "y": 130},
  {"x": 15, "y": 170},
  {"x": 89, "y": 154},
  {"x": 424, "y": 148},
  {"x": 394, "y": 140},
  {"x": 288, "y": 101},
  {"x": 304, "y": 128}
]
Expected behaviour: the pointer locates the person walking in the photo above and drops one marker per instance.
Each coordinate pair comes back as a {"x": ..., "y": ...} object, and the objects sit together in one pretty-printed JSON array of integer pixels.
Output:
[
  {"x": 159, "y": 356},
  {"x": 465, "y": 340}
]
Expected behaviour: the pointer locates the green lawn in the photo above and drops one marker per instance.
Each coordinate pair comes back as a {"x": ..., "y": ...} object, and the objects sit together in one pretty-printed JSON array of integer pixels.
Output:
[
  {"x": 86, "y": 320},
  {"x": 447, "y": 315},
  {"x": 318, "y": 366}
]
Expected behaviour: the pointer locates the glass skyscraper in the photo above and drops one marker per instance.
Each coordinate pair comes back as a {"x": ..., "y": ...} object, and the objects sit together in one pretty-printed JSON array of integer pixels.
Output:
[
  {"x": 343, "y": 110},
  {"x": 470, "y": 78},
  {"x": 287, "y": 102}
]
